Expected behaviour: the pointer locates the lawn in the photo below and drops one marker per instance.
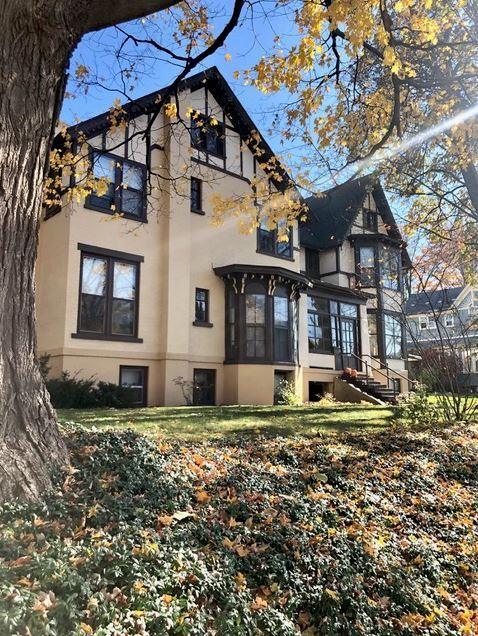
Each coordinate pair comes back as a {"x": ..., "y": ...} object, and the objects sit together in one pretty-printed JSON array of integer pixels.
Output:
[
  {"x": 361, "y": 533},
  {"x": 195, "y": 423}
]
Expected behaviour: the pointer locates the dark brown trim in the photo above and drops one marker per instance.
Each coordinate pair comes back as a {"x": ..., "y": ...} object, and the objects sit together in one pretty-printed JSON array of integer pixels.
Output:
[
  {"x": 146, "y": 380},
  {"x": 112, "y": 255},
  {"x": 198, "y": 323},
  {"x": 219, "y": 169},
  {"x": 102, "y": 251},
  {"x": 84, "y": 335}
]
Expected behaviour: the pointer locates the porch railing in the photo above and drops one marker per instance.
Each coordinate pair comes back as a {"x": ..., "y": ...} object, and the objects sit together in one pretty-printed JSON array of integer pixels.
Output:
[{"x": 385, "y": 371}]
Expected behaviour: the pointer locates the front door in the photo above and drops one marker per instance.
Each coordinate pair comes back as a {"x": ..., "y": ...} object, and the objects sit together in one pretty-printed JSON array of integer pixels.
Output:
[
  {"x": 348, "y": 337},
  {"x": 204, "y": 390}
]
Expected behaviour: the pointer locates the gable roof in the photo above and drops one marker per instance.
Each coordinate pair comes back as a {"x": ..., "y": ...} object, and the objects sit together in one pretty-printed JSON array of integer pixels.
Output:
[
  {"x": 212, "y": 79},
  {"x": 432, "y": 301},
  {"x": 332, "y": 215}
]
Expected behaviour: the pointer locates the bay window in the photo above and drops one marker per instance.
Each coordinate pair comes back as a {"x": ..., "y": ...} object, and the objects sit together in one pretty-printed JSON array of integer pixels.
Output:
[
  {"x": 366, "y": 266},
  {"x": 390, "y": 268},
  {"x": 281, "y": 325},
  {"x": 392, "y": 326},
  {"x": 319, "y": 325},
  {"x": 255, "y": 321}
]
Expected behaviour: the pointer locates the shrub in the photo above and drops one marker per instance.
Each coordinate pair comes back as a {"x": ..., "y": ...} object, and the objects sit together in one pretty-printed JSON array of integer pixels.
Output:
[
  {"x": 416, "y": 410},
  {"x": 70, "y": 392},
  {"x": 285, "y": 394}
]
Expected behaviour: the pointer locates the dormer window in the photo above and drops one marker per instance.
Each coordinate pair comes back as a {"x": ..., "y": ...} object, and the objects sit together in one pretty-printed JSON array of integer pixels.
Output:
[
  {"x": 208, "y": 135},
  {"x": 126, "y": 186}
]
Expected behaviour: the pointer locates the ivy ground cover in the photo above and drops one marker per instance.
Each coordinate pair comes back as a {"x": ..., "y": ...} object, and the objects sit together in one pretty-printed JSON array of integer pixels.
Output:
[{"x": 350, "y": 534}]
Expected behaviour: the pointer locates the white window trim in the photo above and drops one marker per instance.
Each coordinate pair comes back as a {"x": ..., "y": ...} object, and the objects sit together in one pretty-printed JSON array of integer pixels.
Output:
[{"x": 423, "y": 319}]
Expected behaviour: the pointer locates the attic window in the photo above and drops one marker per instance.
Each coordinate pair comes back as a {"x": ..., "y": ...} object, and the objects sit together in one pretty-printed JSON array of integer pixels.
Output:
[
  {"x": 208, "y": 135},
  {"x": 370, "y": 216}
]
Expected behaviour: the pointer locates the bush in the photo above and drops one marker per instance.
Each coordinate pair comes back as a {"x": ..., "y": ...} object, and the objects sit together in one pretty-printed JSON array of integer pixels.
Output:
[
  {"x": 70, "y": 392},
  {"x": 416, "y": 410},
  {"x": 285, "y": 394}
]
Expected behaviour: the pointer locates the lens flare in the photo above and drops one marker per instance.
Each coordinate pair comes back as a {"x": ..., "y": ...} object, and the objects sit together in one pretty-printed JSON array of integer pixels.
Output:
[{"x": 416, "y": 140}]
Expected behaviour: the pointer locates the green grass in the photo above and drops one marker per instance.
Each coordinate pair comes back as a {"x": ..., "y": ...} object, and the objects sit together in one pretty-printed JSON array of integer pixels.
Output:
[{"x": 196, "y": 423}]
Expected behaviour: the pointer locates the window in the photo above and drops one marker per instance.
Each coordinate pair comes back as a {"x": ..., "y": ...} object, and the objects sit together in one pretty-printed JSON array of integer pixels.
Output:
[
  {"x": 423, "y": 323},
  {"x": 204, "y": 387},
  {"x": 372, "y": 334},
  {"x": 281, "y": 326},
  {"x": 255, "y": 322},
  {"x": 318, "y": 325},
  {"x": 231, "y": 336},
  {"x": 312, "y": 263},
  {"x": 366, "y": 266},
  {"x": 136, "y": 380},
  {"x": 449, "y": 320},
  {"x": 370, "y": 220},
  {"x": 108, "y": 297},
  {"x": 201, "y": 314},
  {"x": 269, "y": 243},
  {"x": 393, "y": 336},
  {"x": 207, "y": 135},
  {"x": 196, "y": 195},
  {"x": 390, "y": 268},
  {"x": 125, "y": 193}
]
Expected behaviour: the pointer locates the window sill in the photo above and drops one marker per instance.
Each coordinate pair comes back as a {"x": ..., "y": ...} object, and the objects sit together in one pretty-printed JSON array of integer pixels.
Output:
[
  {"x": 201, "y": 212},
  {"x": 199, "y": 323},
  {"x": 122, "y": 215},
  {"x": 274, "y": 255},
  {"x": 100, "y": 336}
]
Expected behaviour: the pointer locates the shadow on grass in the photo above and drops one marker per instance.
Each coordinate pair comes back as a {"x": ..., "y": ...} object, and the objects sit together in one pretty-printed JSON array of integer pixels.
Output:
[{"x": 237, "y": 421}]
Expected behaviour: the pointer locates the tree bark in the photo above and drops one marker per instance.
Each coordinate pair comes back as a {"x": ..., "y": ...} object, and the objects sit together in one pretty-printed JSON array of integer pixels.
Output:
[
  {"x": 470, "y": 177},
  {"x": 38, "y": 37}
]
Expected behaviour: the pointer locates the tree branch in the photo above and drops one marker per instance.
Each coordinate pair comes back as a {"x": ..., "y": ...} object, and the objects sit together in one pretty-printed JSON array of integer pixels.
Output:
[{"x": 104, "y": 13}]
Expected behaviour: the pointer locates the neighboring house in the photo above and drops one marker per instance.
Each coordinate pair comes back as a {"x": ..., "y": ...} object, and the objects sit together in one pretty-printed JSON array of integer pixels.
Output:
[
  {"x": 445, "y": 319},
  {"x": 160, "y": 293}
]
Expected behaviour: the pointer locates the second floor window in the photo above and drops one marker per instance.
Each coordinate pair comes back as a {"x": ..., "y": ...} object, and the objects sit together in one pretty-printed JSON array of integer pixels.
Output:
[
  {"x": 366, "y": 266},
  {"x": 196, "y": 195},
  {"x": 312, "y": 263},
  {"x": 390, "y": 268},
  {"x": 208, "y": 135},
  {"x": 269, "y": 243},
  {"x": 202, "y": 305},
  {"x": 108, "y": 297},
  {"x": 126, "y": 187},
  {"x": 423, "y": 323}
]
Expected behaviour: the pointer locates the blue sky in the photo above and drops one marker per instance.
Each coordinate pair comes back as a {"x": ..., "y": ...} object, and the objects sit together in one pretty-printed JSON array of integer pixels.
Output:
[{"x": 98, "y": 52}]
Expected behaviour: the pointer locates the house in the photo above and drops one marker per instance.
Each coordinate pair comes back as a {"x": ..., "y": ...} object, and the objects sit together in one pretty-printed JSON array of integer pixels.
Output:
[
  {"x": 135, "y": 286},
  {"x": 445, "y": 319}
]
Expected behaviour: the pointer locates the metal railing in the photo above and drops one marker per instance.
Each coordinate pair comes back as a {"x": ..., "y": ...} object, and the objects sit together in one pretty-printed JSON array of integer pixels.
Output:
[{"x": 388, "y": 373}]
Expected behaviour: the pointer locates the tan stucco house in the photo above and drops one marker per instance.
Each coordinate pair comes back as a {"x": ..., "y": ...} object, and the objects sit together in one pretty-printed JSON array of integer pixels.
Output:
[{"x": 137, "y": 287}]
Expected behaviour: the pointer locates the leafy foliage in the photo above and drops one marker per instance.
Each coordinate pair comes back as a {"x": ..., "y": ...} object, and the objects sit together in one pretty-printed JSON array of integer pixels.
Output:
[
  {"x": 355, "y": 535},
  {"x": 71, "y": 392},
  {"x": 286, "y": 394}
]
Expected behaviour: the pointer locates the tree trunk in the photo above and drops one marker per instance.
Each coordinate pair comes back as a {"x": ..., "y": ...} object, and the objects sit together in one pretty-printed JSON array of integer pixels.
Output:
[
  {"x": 470, "y": 177},
  {"x": 35, "y": 46}
]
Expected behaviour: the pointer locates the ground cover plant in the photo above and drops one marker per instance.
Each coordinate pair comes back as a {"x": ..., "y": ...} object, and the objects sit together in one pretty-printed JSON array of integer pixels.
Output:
[{"x": 357, "y": 533}]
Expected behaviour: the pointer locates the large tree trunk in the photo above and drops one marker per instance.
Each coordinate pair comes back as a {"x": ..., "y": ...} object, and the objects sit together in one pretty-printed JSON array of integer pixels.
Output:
[{"x": 36, "y": 42}]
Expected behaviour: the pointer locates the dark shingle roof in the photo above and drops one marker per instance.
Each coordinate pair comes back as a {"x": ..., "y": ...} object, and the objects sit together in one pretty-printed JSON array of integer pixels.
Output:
[
  {"x": 332, "y": 214},
  {"x": 437, "y": 300}
]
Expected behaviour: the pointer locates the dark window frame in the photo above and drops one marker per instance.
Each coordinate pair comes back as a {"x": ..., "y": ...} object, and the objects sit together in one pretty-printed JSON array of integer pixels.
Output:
[
  {"x": 320, "y": 317},
  {"x": 203, "y": 136},
  {"x": 366, "y": 275},
  {"x": 396, "y": 317},
  {"x": 213, "y": 373},
  {"x": 196, "y": 183},
  {"x": 202, "y": 322},
  {"x": 275, "y": 244},
  {"x": 101, "y": 204},
  {"x": 312, "y": 262},
  {"x": 111, "y": 257},
  {"x": 145, "y": 371}
]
